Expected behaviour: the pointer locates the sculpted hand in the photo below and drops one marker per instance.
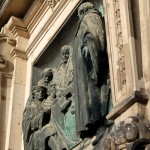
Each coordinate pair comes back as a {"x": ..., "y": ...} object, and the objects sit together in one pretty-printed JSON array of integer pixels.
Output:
[{"x": 85, "y": 52}]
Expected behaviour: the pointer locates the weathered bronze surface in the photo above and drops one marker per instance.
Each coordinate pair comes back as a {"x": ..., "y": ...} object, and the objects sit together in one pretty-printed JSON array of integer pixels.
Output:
[
  {"x": 49, "y": 115},
  {"x": 90, "y": 69},
  {"x": 70, "y": 102}
]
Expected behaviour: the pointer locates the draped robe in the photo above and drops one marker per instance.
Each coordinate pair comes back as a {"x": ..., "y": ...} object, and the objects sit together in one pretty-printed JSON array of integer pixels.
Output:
[{"x": 89, "y": 45}]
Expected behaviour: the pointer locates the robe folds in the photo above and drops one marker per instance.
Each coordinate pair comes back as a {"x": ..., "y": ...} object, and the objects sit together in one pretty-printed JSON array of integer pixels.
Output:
[
  {"x": 33, "y": 127},
  {"x": 89, "y": 46}
]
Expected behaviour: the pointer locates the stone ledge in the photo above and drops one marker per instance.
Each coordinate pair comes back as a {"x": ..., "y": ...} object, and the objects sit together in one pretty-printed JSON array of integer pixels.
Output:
[{"x": 136, "y": 96}]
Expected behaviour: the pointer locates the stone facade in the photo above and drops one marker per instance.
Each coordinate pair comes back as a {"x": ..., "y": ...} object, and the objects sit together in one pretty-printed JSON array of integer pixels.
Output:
[{"x": 29, "y": 29}]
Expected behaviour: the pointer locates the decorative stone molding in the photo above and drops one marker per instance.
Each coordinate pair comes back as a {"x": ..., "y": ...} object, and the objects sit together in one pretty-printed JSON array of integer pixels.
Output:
[
  {"x": 17, "y": 27},
  {"x": 120, "y": 47},
  {"x": 52, "y": 3},
  {"x": 20, "y": 32},
  {"x": 128, "y": 134},
  {"x": 11, "y": 41},
  {"x": 115, "y": 43},
  {"x": 18, "y": 53},
  {"x": 3, "y": 6},
  {"x": 5, "y": 37},
  {"x": 140, "y": 97},
  {"x": 56, "y": 18}
]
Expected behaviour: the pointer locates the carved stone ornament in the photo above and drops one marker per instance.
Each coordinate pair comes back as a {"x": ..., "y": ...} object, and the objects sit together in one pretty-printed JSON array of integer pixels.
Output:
[{"x": 131, "y": 134}]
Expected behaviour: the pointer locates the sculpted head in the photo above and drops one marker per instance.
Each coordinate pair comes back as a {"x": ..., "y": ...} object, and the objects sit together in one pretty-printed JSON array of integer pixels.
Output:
[
  {"x": 84, "y": 8},
  {"x": 51, "y": 87},
  {"x": 65, "y": 53},
  {"x": 39, "y": 93},
  {"x": 47, "y": 75}
]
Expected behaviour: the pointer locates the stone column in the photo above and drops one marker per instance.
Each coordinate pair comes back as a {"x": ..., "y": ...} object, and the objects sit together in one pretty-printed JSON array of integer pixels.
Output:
[
  {"x": 6, "y": 69},
  {"x": 16, "y": 107}
]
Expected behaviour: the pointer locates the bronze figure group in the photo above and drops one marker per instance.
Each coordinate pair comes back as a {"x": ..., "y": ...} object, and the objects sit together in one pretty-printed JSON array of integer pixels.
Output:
[{"x": 71, "y": 101}]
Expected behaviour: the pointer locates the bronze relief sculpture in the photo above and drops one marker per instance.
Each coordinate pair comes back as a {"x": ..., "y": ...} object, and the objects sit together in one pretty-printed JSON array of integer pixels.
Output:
[{"x": 70, "y": 102}]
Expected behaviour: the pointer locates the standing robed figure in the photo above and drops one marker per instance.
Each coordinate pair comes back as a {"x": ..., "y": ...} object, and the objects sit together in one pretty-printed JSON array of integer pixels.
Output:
[{"x": 89, "y": 66}]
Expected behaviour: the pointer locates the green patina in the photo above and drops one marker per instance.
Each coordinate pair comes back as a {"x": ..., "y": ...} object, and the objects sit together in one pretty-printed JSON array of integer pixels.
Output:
[
  {"x": 66, "y": 125},
  {"x": 70, "y": 128}
]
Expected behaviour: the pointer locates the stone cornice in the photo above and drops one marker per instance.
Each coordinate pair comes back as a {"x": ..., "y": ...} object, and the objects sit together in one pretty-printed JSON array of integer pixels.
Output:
[
  {"x": 17, "y": 27},
  {"x": 54, "y": 11},
  {"x": 13, "y": 8},
  {"x": 27, "y": 27}
]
